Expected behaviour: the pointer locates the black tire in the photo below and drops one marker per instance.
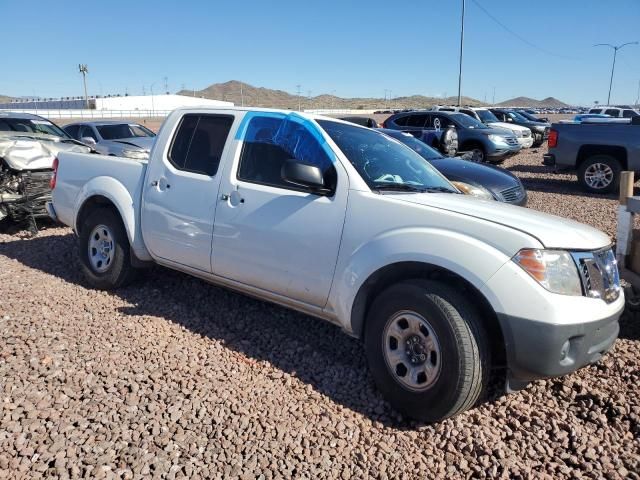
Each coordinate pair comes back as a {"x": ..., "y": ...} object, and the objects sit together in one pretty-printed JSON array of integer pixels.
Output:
[
  {"x": 479, "y": 154},
  {"x": 538, "y": 140},
  {"x": 599, "y": 162},
  {"x": 119, "y": 272},
  {"x": 464, "y": 349}
]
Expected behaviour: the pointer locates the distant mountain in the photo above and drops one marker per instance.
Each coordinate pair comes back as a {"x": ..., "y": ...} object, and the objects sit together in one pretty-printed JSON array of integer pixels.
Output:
[
  {"x": 235, "y": 91},
  {"x": 548, "y": 102}
]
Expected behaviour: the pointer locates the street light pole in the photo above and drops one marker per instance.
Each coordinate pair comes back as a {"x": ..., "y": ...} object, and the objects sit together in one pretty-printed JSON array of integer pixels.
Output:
[
  {"x": 613, "y": 66},
  {"x": 82, "y": 67},
  {"x": 461, "y": 51}
]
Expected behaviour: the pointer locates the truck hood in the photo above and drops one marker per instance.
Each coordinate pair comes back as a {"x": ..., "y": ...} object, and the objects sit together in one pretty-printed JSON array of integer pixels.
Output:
[
  {"x": 550, "y": 230},
  {"x": 30, "y": 151}
]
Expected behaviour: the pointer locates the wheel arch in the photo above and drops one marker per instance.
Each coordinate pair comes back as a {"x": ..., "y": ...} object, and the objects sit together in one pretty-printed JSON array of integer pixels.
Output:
[
  {"x": 108, "y": 192},
  {"x": 409, "y": 270},
  {"x": 589, "y": 150}
]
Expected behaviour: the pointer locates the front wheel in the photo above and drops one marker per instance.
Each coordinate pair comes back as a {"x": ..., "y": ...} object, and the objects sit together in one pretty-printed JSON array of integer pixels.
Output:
[
  {"x": 478, "y": 154},
  {"x": 599, "y": 174},
  {"x": 427, "y": 350},
  {"x": 104, "y": 250}
]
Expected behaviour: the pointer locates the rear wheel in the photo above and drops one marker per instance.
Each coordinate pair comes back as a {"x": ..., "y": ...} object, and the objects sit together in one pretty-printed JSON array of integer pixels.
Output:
[
  {"x": 426, "y": 350},
  {"x": 104, "y": 250},
  {"x": 599, "y": 174}
]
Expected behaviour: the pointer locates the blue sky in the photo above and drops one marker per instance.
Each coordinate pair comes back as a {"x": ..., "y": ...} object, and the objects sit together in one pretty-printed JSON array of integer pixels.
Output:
[{"x": 355, "y": 48}]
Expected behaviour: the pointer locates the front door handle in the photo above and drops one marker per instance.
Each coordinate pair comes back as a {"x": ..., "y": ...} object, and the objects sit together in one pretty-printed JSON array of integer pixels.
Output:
[
  {"x": 233, "y": 198},
  {"x": 154, "y": 183}
]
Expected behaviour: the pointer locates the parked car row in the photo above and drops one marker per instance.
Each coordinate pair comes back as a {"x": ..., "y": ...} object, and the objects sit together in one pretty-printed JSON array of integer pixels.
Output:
[{"x": 347, "y": 224}]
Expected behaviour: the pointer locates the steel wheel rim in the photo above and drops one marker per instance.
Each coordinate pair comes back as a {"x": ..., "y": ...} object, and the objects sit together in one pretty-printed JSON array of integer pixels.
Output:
[
  {"x": 411, "y": 351},
  {"x": 100, "y": 248},
  {"x": 598, "y": 175},
  {"x": 478, "y": 155}
]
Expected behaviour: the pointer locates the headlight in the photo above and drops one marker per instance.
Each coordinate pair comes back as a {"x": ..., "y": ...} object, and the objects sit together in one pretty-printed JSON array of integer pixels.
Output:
[
  {"x": 517, "y": 133},
  {"x": 479, "y": 192},
  {"x": 498, "y": 139},
  {"x": 555, "y": 270},
  {"x": 136, "y": 154}
]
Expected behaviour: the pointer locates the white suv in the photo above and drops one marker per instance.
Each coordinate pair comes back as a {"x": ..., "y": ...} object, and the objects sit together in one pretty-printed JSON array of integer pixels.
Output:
[
  {"x": 616, "y": 112},
  {"x": 522, "y": 134}
]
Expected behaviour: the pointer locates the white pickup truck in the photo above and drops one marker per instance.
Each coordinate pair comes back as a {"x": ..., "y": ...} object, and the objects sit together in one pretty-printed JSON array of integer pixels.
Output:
[{"x": 347, "y": 224}]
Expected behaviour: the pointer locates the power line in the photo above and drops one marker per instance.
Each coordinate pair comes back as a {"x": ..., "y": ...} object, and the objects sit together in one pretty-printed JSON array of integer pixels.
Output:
[{"x": 518, "y": 36}]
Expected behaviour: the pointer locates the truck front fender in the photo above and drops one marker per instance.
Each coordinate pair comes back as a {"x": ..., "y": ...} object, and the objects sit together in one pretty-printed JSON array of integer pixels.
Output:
[
  {"x": 462, "y": 255},
  {"x": 118, "y": 195}
]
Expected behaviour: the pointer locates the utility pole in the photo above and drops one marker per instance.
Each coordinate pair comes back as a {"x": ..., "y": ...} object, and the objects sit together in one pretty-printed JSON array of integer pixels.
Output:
[
  {"x": 638, "y": 95},
  {"x": 494, "y": 96},
  {"x": 166, "y": 84},
  {"x": 461, "y": 51},
  {"x": 299, "y": 100},
  {"x": 82, "y": 68},
  {"x": 613, "y": 66},
  {"x": 241, "y": 95}
]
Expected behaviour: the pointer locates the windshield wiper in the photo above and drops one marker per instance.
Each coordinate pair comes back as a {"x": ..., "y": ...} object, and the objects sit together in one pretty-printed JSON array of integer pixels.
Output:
[
  {"x": 402, "y": 187},
  {"x": 439, "y": 189}
]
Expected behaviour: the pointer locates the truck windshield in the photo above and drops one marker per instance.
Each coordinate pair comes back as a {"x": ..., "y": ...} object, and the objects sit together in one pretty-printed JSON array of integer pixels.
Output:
[
  {"x": 383, "y": 162},
  {"x": 123, "y": 130},
  {"x": 418, "y": 146},
  {"x": 27, "y": 125},
  {"x": 486, "y": 116}
]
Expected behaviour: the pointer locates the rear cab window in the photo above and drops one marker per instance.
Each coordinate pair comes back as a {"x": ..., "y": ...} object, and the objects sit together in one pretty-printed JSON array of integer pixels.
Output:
[{"x": 199, "y": 142}]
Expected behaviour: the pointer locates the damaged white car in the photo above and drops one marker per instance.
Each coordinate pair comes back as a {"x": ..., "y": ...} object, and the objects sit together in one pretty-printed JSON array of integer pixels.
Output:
[{"x": 28, "y": 146}]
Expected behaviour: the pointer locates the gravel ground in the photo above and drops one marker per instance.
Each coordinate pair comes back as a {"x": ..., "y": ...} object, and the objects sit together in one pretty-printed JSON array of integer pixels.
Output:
[{"x": 174, "y": 378}]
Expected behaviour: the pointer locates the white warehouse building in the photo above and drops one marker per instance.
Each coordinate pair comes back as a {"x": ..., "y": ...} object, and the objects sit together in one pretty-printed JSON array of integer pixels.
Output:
[
  {"x": 111, "y": 107},
  {"x": 161, "y": 102}
]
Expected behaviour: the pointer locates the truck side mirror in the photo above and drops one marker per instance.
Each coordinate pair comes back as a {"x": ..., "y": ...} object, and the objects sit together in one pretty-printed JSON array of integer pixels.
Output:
[
  {"x": 304, "y": 175},
  {"x": 88, "y": 141}
]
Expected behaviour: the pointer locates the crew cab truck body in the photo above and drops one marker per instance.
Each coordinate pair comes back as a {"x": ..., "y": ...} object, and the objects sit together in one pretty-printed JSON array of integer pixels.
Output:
[
  {"x": 598, "y": 152},
  {"x": 346, "y": 224}
]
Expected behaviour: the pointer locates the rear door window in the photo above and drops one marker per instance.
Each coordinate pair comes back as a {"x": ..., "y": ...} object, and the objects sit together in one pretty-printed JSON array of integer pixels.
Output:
[
  {"x": 199, "y": 142},
  {"x": 595, "y": 110},
  {"x": 611, "y": 111},
  {"x": 401, "y": 121},
  {"x": 417, "y": 121}
]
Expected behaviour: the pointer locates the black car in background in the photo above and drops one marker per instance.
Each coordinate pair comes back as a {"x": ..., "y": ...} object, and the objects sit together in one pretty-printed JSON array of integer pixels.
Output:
[
  {"x": 485, "y": 144},
  {"x": 539, "y": 130},
  {"x": 480, "y": 180},
  {"x": 531, "y": 115}
]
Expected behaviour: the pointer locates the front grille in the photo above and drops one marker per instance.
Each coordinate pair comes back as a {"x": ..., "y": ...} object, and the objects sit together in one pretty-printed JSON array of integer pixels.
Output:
[
  {"x": 511, "y": 141},
  {"x": 513, "y": 194},
  {"x": 599, "y": 274}
]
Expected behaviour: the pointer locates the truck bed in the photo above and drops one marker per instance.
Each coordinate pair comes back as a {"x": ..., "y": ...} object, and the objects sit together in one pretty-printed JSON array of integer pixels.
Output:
[{"x": 79, "y": 173}]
